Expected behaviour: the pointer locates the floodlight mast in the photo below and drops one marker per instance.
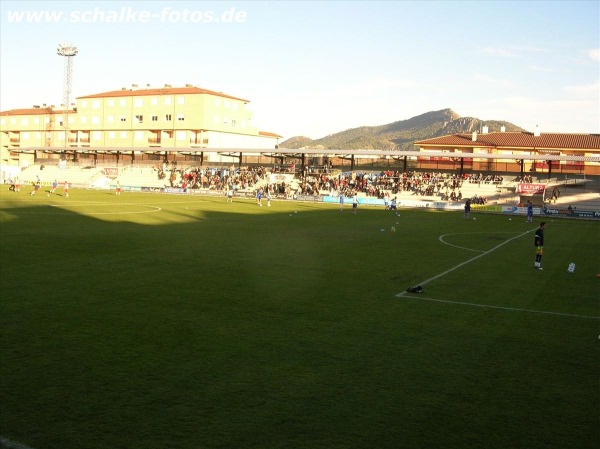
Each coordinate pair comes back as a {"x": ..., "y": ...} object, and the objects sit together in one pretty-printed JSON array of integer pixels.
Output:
[{"x": 67, "y": 51}]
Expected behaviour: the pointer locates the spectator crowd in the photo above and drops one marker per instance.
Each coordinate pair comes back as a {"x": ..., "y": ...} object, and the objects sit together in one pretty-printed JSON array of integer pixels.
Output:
[{"x": 313, "y": 180}]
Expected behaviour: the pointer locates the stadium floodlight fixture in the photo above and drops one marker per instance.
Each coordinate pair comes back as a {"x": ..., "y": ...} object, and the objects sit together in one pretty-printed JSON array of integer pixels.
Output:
[{"x": 66, "y": 50}]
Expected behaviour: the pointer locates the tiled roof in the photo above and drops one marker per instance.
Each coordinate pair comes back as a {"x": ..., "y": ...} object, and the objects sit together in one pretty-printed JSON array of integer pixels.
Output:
[
  {"x": 160, "y": 91},
  {"x": 33, "y": 111},
  {"x": 268, "y": 134},
  {"x": 522, "y": 140}
]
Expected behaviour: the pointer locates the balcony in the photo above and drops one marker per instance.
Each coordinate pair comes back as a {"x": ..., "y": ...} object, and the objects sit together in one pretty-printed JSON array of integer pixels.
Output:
[
  {"x": 154, "y": 141},
  {"x": 198, "y": 142},
  {"x": 81, "y": 141}
]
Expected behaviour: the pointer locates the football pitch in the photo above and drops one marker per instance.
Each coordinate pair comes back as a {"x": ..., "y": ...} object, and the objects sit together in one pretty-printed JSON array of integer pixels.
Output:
[{"x": 152, "y": 321}]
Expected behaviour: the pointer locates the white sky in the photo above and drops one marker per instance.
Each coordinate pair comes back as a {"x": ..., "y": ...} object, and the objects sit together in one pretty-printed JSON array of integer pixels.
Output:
[{"x": 319, "y": 67}]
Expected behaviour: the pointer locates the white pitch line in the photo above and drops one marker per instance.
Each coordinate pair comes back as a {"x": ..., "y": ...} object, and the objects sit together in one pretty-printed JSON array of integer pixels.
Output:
[
  {"x": 441, "y": 239},
  {"x": 9, "y": 444},
  {"x": 467, "y": 261},
  {"x": 515, "y": 309}
]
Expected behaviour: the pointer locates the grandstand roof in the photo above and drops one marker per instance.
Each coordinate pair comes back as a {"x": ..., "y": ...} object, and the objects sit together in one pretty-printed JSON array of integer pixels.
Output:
[{"x": 329, "y": 152}]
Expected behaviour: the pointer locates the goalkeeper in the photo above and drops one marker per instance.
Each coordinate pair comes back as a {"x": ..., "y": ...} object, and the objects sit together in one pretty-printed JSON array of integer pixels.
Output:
[{"x": 539, "y": 245}]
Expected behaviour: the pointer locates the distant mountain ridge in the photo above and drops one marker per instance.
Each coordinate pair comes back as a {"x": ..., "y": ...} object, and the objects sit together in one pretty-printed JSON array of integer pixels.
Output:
[{"x": 400, "y": 135}]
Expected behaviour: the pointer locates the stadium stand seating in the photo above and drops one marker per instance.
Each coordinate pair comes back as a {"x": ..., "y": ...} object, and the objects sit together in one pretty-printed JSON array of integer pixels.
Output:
[
  {"x": 76, "y": 176},
  {"x": 581, "y": 193}
]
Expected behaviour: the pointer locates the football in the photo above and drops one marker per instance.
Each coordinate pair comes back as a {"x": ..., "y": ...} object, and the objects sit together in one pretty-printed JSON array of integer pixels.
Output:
[{"x": 571, "y": 268}]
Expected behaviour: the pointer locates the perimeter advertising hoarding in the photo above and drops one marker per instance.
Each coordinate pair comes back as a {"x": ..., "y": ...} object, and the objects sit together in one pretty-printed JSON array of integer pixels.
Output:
[
  {"x": 531, "y": 189},
  {"x": 572, "y": 213},
  {"x": 110, "y": 171}
]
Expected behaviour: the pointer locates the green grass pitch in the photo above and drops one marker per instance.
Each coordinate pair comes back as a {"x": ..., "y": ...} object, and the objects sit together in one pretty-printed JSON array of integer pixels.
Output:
[{"x": 160, "y": 321}]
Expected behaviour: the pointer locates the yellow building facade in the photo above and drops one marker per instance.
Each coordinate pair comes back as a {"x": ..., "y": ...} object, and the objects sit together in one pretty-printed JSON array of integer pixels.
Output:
[{"x": 176, "y": 118}]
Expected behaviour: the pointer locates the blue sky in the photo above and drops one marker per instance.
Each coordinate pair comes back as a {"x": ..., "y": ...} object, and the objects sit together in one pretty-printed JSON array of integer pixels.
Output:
[{"x": 319, "y": 67}]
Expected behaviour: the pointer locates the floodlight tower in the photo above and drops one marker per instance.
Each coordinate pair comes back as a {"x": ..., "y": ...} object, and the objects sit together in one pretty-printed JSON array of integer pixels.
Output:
[{"x": 68, "y": 51}]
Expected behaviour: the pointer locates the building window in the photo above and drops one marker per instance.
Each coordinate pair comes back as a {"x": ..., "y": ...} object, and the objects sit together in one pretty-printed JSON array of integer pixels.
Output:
[
  {"x": 96, "y": 104},
  {"x": 180, "y": 100},
  {"x": 23, "y": 121},
  {"x": 96, "y": 120},
  {"x": 139, "y": 119},
  {"x": 138, "y": 103},
  {"x": 110, "y": 118},
  {"x": 168, "y": 100},
  {"x": 154, "y": 100},
  {"x": 180, "y": 117},
  {"x": 97, "y": 135},
  {"x": 111, "y": 102},
  {"x": 225, "y": 120},
  {"x": 111, "y": 134},
  {"x": 25, "y": 136},
  {"x": 123, "y": 119},
  {"x": 83, "y": 119},
  {"x": 226, "y": 104},
  {"x": 168, "y": 117},
  {"x": 84, "y": 103},
  {"x": 155, "y": 118},
  {"x": 233, "y": 123},
  {"x": 123, "y": 134},
  {"x": 217, "y": 102},
  {"x": 122, "y": 102},
  {"x": 36, "y": 120},
  {"x": 139, "y": 135}
]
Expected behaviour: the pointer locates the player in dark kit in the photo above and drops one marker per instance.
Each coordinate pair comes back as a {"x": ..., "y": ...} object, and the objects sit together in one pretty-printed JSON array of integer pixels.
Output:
[{"x": 538, "y": 242}]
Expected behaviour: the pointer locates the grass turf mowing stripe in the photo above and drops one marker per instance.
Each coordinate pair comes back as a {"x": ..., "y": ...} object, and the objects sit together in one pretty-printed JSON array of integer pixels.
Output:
[{"x": 467, "y": 261}]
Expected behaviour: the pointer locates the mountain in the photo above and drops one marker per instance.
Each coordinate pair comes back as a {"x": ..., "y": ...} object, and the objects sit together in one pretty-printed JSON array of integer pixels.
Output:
[{"x": 400, "y": 135}]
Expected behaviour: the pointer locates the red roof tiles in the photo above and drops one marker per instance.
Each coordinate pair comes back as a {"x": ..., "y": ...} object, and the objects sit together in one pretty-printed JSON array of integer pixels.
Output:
[
  {"x": 268, "y": 134},
  {"x": 161, "y": 91},
  {"x": 510, "y": 140},
  {"x": 33, "y": 111}
]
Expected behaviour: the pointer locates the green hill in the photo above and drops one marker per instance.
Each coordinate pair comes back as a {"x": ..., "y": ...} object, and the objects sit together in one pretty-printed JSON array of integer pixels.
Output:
[{"x": 400, "y": 134}]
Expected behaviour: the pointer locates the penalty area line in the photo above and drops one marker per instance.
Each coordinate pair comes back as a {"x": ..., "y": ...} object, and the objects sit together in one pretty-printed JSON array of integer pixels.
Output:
[
  {"x": 9, "y": 444},
  {"x": 514, "y": 309},
  {"x": 467, "y": 261}
]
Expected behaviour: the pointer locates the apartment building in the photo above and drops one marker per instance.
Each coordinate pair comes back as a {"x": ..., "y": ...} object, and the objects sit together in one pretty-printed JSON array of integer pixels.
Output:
[
  {"x": 558, "y": 153},
  {"x": 134, "y": 120}
]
